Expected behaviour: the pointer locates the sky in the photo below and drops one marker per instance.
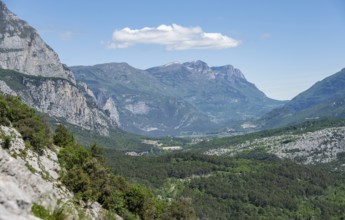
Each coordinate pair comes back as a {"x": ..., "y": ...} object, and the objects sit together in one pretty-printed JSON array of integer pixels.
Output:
[{"x": 282, "y": 46}]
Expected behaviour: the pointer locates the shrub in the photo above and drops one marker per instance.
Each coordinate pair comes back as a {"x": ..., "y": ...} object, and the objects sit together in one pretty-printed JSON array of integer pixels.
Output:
[
  {"x": 32, "y": 127},
  {"x": 7, "y": 142},
  {"x": 63, "y": 137},
  {"x": 40, "y": 212}
]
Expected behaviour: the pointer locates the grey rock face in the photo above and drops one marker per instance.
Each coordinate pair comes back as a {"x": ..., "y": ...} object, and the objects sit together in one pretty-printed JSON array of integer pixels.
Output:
[
  {"x": 20, "y": 186},
  {"x": 110, "y": 107},
  {"x": 59, "y": 98},
  {"x": 315, "y": 147},
  {"x": 6, "y": 89},
  {"x": 51, "y": 87},
  {"x": 23, "y": 50}
]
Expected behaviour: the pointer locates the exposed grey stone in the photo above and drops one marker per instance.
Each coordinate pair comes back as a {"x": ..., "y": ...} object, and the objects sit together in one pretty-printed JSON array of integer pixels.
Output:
[
  {"x": 22, "y": 49},
  {"x": 20, "y": 186}
]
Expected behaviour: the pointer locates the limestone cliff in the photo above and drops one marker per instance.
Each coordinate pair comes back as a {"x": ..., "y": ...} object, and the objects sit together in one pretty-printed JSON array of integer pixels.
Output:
[
  {"x": 58, "y": 98},
  {"x": 23, "y": 50},
  {"x": 42, "y": 82}
]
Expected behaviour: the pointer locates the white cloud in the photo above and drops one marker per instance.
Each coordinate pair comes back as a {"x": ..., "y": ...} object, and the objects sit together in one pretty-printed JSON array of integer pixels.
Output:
[{"x": 173, "y": 37}]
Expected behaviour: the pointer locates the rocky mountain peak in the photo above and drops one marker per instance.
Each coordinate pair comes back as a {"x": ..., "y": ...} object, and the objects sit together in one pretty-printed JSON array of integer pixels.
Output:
[
  {"x": 198, "y": 66},
  {"x": 228, "y": 71},
  {"x": 23, "y": 50},
  {"x": 113, "y": 68}
]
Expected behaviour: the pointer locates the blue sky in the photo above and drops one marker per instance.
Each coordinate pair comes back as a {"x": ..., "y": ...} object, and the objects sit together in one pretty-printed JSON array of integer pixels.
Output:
[{"x": 283, "y": 47}]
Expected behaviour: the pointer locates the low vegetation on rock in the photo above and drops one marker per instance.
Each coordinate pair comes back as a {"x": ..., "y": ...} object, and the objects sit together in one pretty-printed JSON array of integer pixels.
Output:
[{"x": 84, "y": 172}]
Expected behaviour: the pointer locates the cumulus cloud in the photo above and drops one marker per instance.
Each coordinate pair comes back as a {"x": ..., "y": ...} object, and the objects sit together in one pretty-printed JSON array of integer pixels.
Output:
[{"x": 173, "y": 37}]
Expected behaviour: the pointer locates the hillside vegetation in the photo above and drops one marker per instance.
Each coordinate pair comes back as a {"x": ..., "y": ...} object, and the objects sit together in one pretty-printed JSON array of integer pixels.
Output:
[
  {"x": 255, "y": 185},
  {"x": 84, "y": 172}
]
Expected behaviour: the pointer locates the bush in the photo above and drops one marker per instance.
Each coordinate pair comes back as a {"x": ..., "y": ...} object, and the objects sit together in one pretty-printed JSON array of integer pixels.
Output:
[
  {"x": 86, "y": 175},
  {"x": 40, "y": 212},
  {"x": 180, "y": 209},
  {"x": 63, "y": 137},
  {"x": 7, "y": 142},
  {"x": 32, "y": 127}
]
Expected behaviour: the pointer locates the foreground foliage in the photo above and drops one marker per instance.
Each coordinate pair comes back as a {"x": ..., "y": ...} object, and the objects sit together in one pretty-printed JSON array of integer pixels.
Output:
[
  {"x": 33, "y": 128},
  {"x": 87, "y": 176},
  {"x": 84, "y": 171}
]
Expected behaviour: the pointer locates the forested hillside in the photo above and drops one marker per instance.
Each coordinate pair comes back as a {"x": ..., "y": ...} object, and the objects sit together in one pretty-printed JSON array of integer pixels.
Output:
[
  {"x": 254, "y": 185},
  {"x": 83, "y": 171}
]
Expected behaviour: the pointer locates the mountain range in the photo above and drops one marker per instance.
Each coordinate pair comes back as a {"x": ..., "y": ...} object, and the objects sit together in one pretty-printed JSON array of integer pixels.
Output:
[
  {"x": 173, "y": 99},
  {"x": 325, "y": 99},
  {"x": 294, "y": 172},
  {"x": 176, "y": 98}
]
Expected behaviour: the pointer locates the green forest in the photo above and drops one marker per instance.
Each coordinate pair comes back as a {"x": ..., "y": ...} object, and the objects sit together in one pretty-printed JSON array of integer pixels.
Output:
[
  {"x": 186, "y": 184},
  {"x": 254, "y": 185}
]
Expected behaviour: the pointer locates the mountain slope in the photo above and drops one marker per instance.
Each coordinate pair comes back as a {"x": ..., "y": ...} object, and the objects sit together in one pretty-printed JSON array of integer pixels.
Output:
[
  {"x": 223, "y": 93},
  {"x": 30, "y": 69},
  {"x": 175, "y": 99},
  {"x": 139, "y": 100},
  {"x": 51, "y": 176},
  {"x": 325, "y": 99}
]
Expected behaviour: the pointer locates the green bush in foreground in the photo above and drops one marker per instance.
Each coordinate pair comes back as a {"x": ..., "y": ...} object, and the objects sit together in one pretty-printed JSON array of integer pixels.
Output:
[
  {"x": 33, "y": 128},
  {"x": 86, "y": 175},
  {"x": 40, "y": 212}
]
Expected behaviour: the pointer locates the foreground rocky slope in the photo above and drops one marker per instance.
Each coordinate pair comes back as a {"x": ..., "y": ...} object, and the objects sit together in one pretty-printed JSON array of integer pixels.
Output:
[{"x": 28, "y": 179}]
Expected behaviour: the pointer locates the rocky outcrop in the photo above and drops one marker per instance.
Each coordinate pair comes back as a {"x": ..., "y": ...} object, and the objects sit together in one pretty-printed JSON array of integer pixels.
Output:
[
  {"x": 61, "y": 99},
  {"x": 6, "y": 89},
  {"x": 315, "y": 147},
  {"x": 21, "y": 182},
  {"x": 111, "y": 109},
  {"x": 23, "y": 50},
  {"x": 42, "y": 82},
  {"x": 27, "y": 178}
]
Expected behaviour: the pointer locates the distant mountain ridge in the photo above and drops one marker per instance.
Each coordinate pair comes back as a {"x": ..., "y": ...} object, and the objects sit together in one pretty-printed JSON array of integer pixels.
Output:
[
  {"x": 141, "y": 103},
  {"x": 176, "y": 99},
  {"x": 325, "y": 99},
  {"x": 223, "y": 93}
]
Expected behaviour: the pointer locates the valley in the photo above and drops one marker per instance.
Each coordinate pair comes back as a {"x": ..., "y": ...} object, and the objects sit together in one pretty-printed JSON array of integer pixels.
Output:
[{"x": 179, "y": 141}]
